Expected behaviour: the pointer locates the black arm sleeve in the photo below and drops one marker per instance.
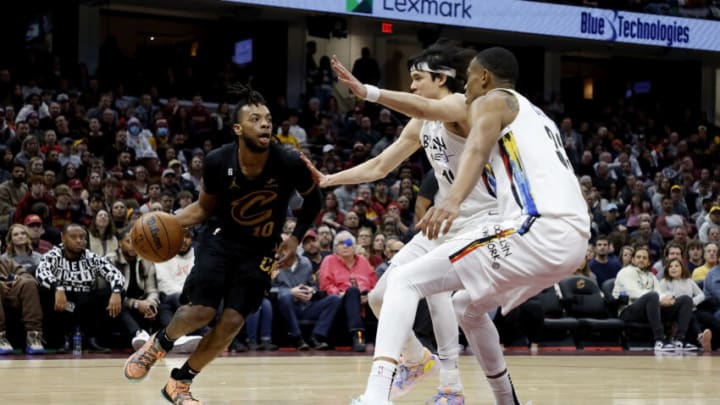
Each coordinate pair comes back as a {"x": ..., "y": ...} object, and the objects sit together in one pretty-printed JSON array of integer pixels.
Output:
[
  {"x": 429, "y": 186},
  {"x": 312, "y": 203}
]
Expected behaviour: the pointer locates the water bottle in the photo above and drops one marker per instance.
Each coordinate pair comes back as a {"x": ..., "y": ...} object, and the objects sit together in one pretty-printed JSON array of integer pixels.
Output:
[{"x": 77, "y": 342}]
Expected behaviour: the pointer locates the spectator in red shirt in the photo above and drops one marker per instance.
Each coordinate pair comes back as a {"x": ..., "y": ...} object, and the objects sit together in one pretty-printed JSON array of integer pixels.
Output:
[{"x": 349, "y": 276}]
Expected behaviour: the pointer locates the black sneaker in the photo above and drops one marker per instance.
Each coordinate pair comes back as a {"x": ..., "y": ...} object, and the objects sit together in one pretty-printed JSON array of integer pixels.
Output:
[
  {"x": 254, "y": 346},
  {"x": 268, "y": 346},
  {"x": 238, "y": 347},
  {"x": 319, "y": 344},
  {"x": 301, "y": 345}
]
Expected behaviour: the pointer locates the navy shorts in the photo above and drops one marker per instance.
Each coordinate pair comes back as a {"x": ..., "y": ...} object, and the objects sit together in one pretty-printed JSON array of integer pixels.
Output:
[{"x": 225, "y": 272}]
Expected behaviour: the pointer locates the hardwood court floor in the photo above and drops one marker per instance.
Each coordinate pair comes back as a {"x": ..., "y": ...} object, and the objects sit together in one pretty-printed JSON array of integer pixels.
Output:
[{"x": 333, "y": 380}]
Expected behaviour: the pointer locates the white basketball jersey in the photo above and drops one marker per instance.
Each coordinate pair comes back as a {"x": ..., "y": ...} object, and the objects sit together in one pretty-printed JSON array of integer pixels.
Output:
[
  {"x": 534, "y": 176},
  {"x": 443, "y": 150}
]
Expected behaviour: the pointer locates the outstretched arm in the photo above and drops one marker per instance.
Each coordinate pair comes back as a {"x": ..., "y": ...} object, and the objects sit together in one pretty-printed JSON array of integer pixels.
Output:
[
  {"x": 448, "y": 109},
  {"x": 377, "y": 167}
]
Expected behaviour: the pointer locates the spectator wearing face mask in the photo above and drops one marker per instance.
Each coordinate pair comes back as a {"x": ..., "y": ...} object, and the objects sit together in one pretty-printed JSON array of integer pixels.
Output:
[{"x": 139, "y": 138}]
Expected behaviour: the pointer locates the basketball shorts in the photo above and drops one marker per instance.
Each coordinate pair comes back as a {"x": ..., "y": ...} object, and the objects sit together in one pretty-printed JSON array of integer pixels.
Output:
[
  {"x": 504, "y": 263},
  {"x": 225, "y": 272}
]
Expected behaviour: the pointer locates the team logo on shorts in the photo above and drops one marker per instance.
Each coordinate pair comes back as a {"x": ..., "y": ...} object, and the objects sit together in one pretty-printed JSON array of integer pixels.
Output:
[{"x": 359, "y": 6}]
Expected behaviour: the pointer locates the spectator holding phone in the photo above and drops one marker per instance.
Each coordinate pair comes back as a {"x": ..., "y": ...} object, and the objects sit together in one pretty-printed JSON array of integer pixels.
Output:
[{"x": 140, "y": 305}]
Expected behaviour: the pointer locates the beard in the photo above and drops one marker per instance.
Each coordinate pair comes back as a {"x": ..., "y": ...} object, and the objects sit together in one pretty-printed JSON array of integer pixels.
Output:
[{"x": 253, "y": 146}]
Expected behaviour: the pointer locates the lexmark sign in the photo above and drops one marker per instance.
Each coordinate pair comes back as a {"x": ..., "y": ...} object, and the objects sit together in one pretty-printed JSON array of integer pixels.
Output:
[
  {"x": 454, "y": 9},
  {"x": 617, "y": 27}
]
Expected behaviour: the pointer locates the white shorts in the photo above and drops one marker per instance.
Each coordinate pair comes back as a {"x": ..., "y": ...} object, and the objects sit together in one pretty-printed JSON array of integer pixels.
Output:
[
  {"x": 503, "y": 265},
  {"x": 420, "y": 245}
]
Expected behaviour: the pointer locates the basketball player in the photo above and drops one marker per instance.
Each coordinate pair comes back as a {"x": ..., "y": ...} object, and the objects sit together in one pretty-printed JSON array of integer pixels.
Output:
[
  {"x": 247, "y": 185},
  {"x": 539, "y": 237},
  {"x": 439, "y": 127}
]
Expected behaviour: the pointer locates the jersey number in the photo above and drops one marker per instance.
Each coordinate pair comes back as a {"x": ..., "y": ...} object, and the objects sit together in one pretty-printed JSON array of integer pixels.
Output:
[
  {"x": 449, "y": 176},
  {"x": 265, "y": 230},
  {"x": 559, "y": 149}
]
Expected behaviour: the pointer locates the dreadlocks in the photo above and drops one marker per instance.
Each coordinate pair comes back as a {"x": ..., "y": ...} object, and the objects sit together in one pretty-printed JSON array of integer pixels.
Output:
[{"x": 246, "y": 96}]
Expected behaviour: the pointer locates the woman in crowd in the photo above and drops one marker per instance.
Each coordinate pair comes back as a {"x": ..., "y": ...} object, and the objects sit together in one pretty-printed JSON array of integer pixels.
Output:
[
  {"x": 102, "y": 240},
  {"x": 20, "y": 249}
]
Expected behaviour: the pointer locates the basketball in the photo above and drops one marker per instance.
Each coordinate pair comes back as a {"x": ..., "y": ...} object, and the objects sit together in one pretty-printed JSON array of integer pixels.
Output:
[{"x": 156, "y": 237}]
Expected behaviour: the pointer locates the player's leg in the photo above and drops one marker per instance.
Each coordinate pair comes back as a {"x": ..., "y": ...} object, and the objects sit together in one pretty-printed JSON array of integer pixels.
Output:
[
  {"x": 201, "y": 296},
  {"x": 445, "y": 327},
  {"x": 485, "y": 343},
  {"x": 407, "y": 284},
  {"x": 243, "y": 293},
  {"x": 504, "y": 268},
  {"x": 417, "y": 362},
  {"x": 177, "y": 389}
]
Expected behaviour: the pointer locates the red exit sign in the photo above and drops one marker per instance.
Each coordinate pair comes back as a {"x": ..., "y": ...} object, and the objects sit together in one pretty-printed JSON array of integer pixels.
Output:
[{"x": 386, "y": 28}]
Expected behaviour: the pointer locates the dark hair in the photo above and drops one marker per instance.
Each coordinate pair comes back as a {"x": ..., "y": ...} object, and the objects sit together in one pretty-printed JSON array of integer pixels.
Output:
[
  {"x": 445, "y": 54},
  {"x": 500, "y": 62},
  {"x": 246, "y": 96},
  {"x": 685, "y": 271},
  {"x": 671, "y": 245}
]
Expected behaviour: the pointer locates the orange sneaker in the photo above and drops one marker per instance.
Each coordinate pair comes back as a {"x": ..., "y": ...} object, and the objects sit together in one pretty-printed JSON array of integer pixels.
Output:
[
  {"x": 139, "y": 363},
  {"x": 178, "y": 392}
]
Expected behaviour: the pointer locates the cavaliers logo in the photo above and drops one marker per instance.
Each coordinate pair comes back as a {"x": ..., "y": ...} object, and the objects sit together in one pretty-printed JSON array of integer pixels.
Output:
[{"x": 254, "y": 208}]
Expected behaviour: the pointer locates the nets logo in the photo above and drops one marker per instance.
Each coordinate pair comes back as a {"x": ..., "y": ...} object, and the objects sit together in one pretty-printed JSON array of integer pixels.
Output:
[{"x": 359, "y": 6}]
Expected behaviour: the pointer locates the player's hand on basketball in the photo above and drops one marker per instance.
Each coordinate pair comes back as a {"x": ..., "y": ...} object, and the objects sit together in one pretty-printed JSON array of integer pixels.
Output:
[
  {"x": 318, "y": 177},
  {"x": 60, "y": 300},
  {"x": 286, "y": 252},
  {"x": 347, "y": 78},
  {"x": 114, "y": 306},
  {"x": 438, "y": 220}
]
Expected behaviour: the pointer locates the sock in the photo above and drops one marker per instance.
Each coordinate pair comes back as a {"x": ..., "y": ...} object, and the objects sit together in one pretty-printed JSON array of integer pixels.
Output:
[
  {"x": 450, "y": 373},
  {"x": 165, "y": 342},
  {"x": 413, "y": 351},
  {"x": 184, "y": 373},
  {"x": 379, "y": 382},
  {"x": 503, "y": 389}
]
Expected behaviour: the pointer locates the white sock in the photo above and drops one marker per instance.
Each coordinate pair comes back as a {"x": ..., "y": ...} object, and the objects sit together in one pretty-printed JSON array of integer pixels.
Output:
[
  {"x": 503, "y": 389},
  {"x": 450, "y": 373},
  {"x": 379, "y": 382},
  {"x": 413, "y": 351}
]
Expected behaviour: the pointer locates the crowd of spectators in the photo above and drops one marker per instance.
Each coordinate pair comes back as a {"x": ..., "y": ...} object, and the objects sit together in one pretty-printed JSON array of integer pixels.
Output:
[{"x": 81, "y": 154}]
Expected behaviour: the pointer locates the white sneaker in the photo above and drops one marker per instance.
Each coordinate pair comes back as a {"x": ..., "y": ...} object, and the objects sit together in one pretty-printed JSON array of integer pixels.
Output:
[
  {"x": 361, "y": 401},
  {"x": 5, "y": 346},
  {"x": 33, "y": 343},
  {"x": 661, "y": 346},
  {"x": 139, "y": 340},
  {"x": 186, "y": 344}
]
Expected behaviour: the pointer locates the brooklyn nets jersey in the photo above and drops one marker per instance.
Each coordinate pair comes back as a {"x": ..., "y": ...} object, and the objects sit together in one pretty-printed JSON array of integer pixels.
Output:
[
  {"x": 534, "y": 176},
  {"x": 252, "y": 212},
  {"x": 443, "y": 149}
]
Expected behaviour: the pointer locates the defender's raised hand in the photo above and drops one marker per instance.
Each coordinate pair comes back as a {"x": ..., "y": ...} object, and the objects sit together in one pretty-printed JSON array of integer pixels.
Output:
[
  {"x": 347, "y": 78},
  {"x": 318, "y": 177}
]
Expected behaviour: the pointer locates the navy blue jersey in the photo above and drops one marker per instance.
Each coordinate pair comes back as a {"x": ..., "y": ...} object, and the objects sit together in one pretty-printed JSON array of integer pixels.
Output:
[{"x": 252, "y": 212}]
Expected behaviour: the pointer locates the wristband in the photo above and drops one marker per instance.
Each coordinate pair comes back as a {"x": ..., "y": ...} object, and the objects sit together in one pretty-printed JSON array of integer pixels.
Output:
[
  {"x": 60, "y": 288},
  {"x": 135, "y": 304},
  {"x": 373, "y": 93}
]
